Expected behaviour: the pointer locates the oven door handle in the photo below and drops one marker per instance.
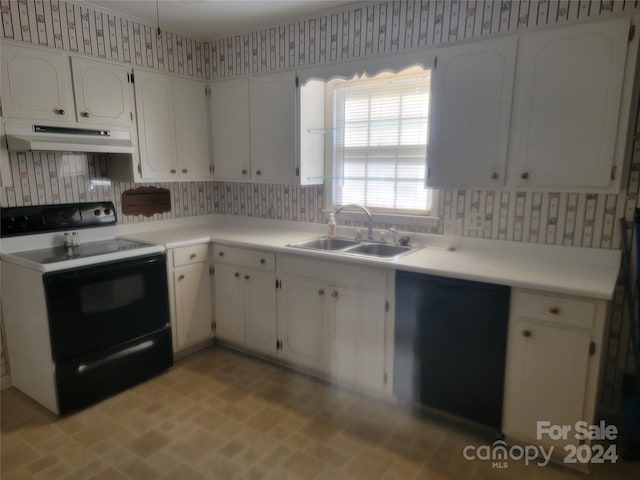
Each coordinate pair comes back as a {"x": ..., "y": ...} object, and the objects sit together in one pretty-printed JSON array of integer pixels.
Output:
[
  {"x": 85, "y": 367},
  {"x": 123, "y": 265}
]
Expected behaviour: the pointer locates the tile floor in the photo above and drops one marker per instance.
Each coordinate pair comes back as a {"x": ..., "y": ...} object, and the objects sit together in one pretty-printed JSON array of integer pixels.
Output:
[{"x": 222, "y": 415}]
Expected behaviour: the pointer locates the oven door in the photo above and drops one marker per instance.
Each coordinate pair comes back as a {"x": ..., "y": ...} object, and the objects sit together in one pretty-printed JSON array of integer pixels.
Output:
[{"x": 103, "y": 305}]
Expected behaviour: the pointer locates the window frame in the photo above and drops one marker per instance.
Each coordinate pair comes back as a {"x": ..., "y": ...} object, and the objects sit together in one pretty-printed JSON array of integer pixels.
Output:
[{"x": 402, "y": 217}]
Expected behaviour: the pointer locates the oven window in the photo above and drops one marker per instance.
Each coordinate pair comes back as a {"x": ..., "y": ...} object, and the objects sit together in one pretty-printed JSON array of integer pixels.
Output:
[{"x": 116, "y": 293}]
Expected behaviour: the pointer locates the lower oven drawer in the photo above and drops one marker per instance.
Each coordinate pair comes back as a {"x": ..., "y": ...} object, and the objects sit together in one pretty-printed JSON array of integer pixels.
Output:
[{"x": 94, "y": 377}]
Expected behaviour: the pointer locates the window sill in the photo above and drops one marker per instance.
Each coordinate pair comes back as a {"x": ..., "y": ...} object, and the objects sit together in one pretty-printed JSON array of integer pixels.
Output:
[{"x": 400, "y": 221}]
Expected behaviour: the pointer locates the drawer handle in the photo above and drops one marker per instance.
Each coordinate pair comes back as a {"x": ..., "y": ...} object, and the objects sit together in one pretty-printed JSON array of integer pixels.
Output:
[
  {"x": 334, "y": 294},
  {"x": 86, "y": 114},
  {"x": 244, "y": 171},
  {"x": 554, "y": 310},
  {"x": 494, "y": 175},
  {"x": 221, "y": 254},
  {"x": 524, "y": 175},
  {"x": 321, "y": 291},
  {"x": 184, "y": 170},
  {"x": 236, "y": 274},
  {"x": 192, "y": 256},
  {"x": 246, "y": 277},
  {"x": 526, "y": 333},
  {"x": 263, "y": 261},
  {"x": 173, "y": 170},
  {"x": 181, "y": 277},
  {"x": 60, "y": 111},
  {"x": 258, "y": 172}
]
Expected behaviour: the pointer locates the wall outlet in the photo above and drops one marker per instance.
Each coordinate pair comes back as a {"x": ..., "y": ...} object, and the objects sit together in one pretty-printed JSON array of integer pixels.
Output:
[{"x": 474, "y": 222}]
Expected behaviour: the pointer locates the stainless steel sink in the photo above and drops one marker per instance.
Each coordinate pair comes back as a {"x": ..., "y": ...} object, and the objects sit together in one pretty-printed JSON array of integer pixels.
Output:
[
  {"x": 326, "y": 243},
  {"x": 379, "y": 249},
  {"x": 356, "y": 247}
]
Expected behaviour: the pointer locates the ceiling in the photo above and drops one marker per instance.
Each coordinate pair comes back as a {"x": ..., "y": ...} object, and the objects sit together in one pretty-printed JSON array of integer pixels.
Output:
[{"x": 212, "y": 19}]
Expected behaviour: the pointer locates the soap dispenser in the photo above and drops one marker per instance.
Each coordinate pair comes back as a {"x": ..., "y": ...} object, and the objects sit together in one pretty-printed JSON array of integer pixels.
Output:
[{"x": 332, "y": 224}]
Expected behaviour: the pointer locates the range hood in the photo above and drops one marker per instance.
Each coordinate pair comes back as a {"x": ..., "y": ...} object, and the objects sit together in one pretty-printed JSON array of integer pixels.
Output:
[{"x": 24, "y": 137}]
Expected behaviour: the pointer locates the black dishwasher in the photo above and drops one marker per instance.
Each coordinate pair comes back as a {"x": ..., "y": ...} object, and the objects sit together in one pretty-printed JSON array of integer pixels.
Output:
[{"x": 450, "y": 345}]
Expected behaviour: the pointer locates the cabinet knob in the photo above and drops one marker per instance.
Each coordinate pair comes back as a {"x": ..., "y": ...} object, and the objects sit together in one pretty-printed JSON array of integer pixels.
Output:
[
  {"x": 526, "y": 333},
  {"x": 60, "y": 111},
  {"x": 173, "y": 170},
  {"x": 263, "y": 261},
  {"x": 184, "y": 170},
  {"x": 192, "y": 256},
  {"x": 321, "y": 291},
  {"x": 494, "y": 175},
  {"x": 247, "y": 277},
  {"x": 524, "y": 175},
  {"x": 181, "y": 277},
  {"x": 334, "y": 294},
  {"x": 86, "y": 114},
  {"x": 244, "y": 171},
  {"x": 236, "y": 274},
  {"x": 258, "y": 172},
  {"x": 221, "y": 254},
  {"x": 554, "y": 310}
]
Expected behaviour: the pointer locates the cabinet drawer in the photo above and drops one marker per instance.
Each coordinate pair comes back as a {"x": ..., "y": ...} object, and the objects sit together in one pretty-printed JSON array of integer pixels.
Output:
[
  {"x": 247, "y": 258},
  {"x": 191, "y": 254},
  {"x": 553, "y": 309}
]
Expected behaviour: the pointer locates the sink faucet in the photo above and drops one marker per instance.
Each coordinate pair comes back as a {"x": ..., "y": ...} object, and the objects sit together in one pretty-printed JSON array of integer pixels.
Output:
[{"x": 352, "y": 205}]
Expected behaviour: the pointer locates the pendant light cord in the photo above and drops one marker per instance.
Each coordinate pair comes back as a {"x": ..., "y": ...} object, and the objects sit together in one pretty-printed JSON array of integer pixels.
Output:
[{"x": 158, "y": 16}]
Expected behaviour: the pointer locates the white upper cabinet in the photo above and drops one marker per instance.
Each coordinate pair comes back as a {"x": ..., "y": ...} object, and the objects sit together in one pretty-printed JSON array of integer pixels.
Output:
[
  {"x": 156, "y": 125},
  {"x": 36, "y": 84},
  {"x": 231, "y": 129},
  {"x": 192, "y": 129},
  {"x": 470, "y": 110},
  {"x": 173, "y": 128},
  {"x": 103, "y": 93},
  {"x": 273, "y": 123},
  {"x": 260, "y": 129},
  {"x": 571, "y": 106}
]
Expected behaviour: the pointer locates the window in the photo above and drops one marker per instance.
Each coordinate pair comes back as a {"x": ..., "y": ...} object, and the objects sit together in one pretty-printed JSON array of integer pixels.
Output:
[{"x": 380, "y": 142}]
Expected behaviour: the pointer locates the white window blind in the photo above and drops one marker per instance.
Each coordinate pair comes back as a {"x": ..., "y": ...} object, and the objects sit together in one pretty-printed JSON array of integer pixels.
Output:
[{"x": 380, "y": 142}]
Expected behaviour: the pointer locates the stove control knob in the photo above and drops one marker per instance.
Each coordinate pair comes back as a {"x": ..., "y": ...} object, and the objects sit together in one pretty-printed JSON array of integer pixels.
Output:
[
  {"x": 23, "y": 221},
  {"x": 107, "y": 211},
  {"x": 96, "y": 212}
]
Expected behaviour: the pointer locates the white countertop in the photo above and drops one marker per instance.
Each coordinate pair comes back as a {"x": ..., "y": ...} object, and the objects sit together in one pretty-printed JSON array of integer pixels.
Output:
[{"x": 584, "y": 272}]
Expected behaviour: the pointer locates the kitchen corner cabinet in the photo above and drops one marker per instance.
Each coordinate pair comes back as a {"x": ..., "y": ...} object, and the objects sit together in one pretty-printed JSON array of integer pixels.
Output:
[
  {"x": 189, "y": 289},
  {"x": 333, "y": 318},
  {"x": 472, "y": 87},
  {"x": 554, "y": 351},
  {"x": 245, "y": 298},
  {"x": 172, "y": 128},
  {"x": 572, "y": 106},
  {"x": 36, "y": 85}
]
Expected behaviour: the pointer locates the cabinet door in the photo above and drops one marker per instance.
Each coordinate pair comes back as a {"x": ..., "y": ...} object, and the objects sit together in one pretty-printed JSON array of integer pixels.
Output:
[
  {"x": 156, "y": 125},
  {"x": 358, "y": 321},
  {"x": 260, "y": 310},
  {"x": 230, "y": 129},
  {"x": 302, "y": 324},
  {"x": 193, "y": 307},
  {"x": 229, "y": 302},
  {"x": 567, "y": 104},
  {"x": 470, "y": 113},
  {"x": 545, "y": 379},
  {"x": 273, "y": 120},
  {"x": 36, "y": 84},
  {"x": 103, "y": 93},
  {"x": 192, "y": 130}
]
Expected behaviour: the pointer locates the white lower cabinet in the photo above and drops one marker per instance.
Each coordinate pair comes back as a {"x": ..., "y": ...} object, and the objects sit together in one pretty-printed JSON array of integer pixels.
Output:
[
  {"x": 303, "y": 329},
  {"x": 189, "y": 286},
  {"x": 245, "y": 298},
  {"x": 553, "y": 359},
  {"x": 333, "y": 319}
]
